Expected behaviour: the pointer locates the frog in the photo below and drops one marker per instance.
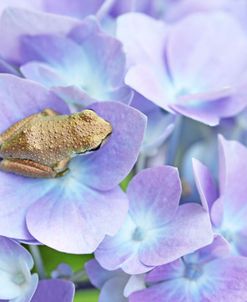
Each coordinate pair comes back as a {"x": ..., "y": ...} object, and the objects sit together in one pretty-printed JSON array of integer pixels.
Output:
[{"x": 42, "y": 145}]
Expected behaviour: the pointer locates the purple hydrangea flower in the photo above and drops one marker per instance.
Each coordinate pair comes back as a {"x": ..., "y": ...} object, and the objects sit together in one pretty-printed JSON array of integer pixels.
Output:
[
  {"x": 82, "y": 63},
  {"x": 157, "y": 230},
  {"x": 17, "y": 282},
  {"x": 209, "y": 274},
  {"x": 228, "y": 206},
  {"x": 114, "y": 285},
  {"x": 181, "y": 68},
  {"x": 72, "y": 213},
  {"x": 159, "y": 127},
  {"x": 54, "y": 291}
]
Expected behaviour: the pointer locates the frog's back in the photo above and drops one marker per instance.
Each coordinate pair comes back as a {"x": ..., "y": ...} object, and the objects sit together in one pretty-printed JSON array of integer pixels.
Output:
[{"x": 48, "y": 140}]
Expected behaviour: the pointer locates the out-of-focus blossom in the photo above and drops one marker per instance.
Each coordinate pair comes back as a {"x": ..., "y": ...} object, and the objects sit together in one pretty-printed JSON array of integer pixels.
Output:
[
  {"x": 228, "y": 208},
  {"x": 114, "y": 285},
  {"x": 82, "y": 63},
  {"x": 177, "y": 10},
  {"x": 157, "y": 230},
  {"x": 17, "y": 282},
  {"x": 72, "y": 213},
  {"x": 181, "y": 67},
  {"x": 54, "y": 291},
  {"x": 209, "y": 274},
  {"x": 160, "y": 124}
]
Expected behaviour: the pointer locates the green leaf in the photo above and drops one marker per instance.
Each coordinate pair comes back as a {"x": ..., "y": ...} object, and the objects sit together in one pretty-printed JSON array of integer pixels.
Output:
[
  {"x": 87, "y": 296},
  {"x": 52, "y": 259},
  {"x": 125, "y": 182}
]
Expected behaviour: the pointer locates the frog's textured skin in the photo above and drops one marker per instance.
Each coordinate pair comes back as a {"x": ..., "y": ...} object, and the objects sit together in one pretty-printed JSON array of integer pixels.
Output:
[{"x": 42, "y": 144}]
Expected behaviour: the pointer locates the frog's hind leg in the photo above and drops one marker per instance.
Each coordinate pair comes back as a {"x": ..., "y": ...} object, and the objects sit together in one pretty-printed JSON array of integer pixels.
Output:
[
  {"x": 27, "y": 168},
  {"x": 18, "y": 125}
]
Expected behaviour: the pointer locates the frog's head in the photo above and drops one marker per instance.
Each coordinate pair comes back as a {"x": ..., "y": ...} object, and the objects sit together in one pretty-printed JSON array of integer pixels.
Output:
[{"x": 92, "y": 131}]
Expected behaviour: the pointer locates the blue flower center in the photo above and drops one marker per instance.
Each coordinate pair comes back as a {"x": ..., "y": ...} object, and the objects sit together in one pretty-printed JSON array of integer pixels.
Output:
[
  {"x": 138, "y": 234},
  {"x": 193, "y": 271},
  {"x": 228, "y": 235}
]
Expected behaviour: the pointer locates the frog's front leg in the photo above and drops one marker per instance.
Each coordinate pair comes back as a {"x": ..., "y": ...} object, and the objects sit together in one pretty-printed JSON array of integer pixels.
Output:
[{"x": 27, "y": 168}]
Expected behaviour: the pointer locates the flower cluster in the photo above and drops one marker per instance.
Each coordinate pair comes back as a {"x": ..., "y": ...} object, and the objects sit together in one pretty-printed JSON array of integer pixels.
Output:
[{"x": 123, "y": 135}]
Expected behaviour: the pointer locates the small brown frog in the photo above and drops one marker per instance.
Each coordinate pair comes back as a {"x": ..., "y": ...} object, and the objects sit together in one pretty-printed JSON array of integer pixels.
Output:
[{"x": 42, "y": 144}]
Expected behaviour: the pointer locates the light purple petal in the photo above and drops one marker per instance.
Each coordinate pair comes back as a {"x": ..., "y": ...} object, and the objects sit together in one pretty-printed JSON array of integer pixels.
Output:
[
  {"x": 154, "y": 192},
  {"x": 74, "y": 218},
  {"x": 227, "y": 280},
  {"x": 205, "y": 184},
  {"x": 152, "y": 83},
  {"x": 113, "y": 290},
  {"x": 20, "y": 98},
  {"x": 196, "y": 66},
  {"x": 54, "y": 291},
  {"x": 16, "y": 23},
  {"x": 189, "y": 230},
  {"x": 74, "y": 8},
  {"x": 121, "y": 150},
  {"x": 146, "y": 43},
  {"x": 98, "y": 275}
]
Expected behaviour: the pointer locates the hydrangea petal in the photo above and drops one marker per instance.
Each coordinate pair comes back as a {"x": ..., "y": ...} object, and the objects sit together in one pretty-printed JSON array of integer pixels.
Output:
[
  {"x": 112, "y": 289},
  {"x": 232, "y": 172},
  {"x": 205, "y": 184},
  {"x": 54, "y": 290},
  {"x": 192, "y": 228},
  {"x": 98, "y": 275},
  {"x": 122, "y": 147},
  {"x": 20, "y": 98},
  {"x": 148, "y": 44},
  {"x": 159, "y": 196},
  {"x": 14, "y": 261},
  {"x": 16, "y": 23},
  {"x": 72, "y": 213},
  {"x": 186, "y": 38}
]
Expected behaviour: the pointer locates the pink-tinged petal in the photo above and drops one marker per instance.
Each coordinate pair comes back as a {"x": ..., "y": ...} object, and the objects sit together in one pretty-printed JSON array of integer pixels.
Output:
[
  {"x": 226, "y": 280},
  {"x": 189, "y": 230},
  {"x": 117, "y": 157},
  {"x": 199, "y": 68},
  {"x": 152, "y": 83},
  {"x": 205, "y": 184},
  {"x": 54, "y": 291},
  {"x": 210, "y": 107},
  {"x": 98, "y": 275},
  {"x": 16, "y": 23},
  {"x": 20, "y": 98},
  {"x": 74, "y": 218},
  {"x": 154, "y": 194},
  {"x": 146, "y": 43}
]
